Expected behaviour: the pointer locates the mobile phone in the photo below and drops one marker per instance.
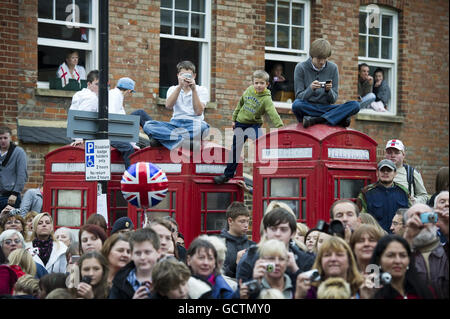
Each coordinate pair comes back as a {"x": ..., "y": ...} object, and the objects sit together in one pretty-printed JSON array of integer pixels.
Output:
[
  {"x": 327, "y": 81},
  {"x": 86, "y": 279},
  {"x": 75, "y": 258}
]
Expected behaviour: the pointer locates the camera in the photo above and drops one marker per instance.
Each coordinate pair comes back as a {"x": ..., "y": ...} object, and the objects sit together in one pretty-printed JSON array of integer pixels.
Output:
[
  {"x": 253, "y": 286},
  {"x": 270, "y": 267},
  {"x": 322, "y": 84},
  {"x": 86, "y": 279},
  {"x": 429, "y": 218},
  {"x": 385, "y": 278},
  {"x": 186, "y": 75},
  {"x": 337, "y": 229},
  {"x": 313, "y": 274},
  {"x": 322, "y": 226}
]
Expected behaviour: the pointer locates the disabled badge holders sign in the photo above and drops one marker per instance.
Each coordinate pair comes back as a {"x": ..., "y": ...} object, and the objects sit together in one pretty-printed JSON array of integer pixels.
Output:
[{"x": 98, "y": 160}]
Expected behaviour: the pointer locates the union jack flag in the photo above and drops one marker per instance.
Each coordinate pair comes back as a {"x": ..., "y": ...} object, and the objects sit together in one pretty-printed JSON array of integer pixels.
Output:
[{"x": 144, "y": 185}]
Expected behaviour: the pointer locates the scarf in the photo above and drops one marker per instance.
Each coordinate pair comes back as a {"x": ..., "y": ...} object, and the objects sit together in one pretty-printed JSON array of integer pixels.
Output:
[{"x": 45, "y": 248}]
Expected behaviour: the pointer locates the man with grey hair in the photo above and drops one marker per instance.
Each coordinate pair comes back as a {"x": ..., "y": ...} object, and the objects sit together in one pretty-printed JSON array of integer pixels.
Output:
[
  {"x": 430, "y": 259},
  {"x": 398, "y": 226}
]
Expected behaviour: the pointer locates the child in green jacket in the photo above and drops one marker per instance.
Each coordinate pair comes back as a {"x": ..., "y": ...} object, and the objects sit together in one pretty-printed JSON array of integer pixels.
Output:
[{"x": 247, "y": 120}]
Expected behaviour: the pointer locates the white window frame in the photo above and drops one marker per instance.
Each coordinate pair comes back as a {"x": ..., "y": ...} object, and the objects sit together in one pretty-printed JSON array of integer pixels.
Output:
[
  {"x": 204, "y": 66},
  {"x": 391, "y": 64},
  {"x": 291, "y": 55},
  {"x": 90, "y": 47}
]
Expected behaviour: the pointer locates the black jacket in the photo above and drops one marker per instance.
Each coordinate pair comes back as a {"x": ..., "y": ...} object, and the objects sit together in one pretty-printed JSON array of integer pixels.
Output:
[
  {"x": 234, "y": 245},
  {"x": 121, "y": 288}
]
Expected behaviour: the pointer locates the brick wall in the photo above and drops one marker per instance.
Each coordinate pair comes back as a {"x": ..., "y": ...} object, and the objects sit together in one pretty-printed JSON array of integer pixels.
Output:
[
  {"x": 237, "y": 49},
  {"x": 9, "y": 62}
]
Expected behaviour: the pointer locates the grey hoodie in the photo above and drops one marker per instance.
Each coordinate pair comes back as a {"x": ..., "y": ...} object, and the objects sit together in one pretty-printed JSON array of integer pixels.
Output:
[{"x": 13, "y": 175}]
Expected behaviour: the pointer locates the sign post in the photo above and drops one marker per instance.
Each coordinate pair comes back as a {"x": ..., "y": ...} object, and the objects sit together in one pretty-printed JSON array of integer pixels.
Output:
[{"x": 98, "y": 160}]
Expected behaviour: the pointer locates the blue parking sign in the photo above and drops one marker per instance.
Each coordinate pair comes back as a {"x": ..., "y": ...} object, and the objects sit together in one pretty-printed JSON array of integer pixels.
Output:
[
  {"x": 89, "y": 147},
  {"x": 90, "y": 161}
]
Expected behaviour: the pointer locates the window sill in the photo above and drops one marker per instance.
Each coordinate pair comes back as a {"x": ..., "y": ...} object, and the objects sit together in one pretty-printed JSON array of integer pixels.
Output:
[
  {"x": 374, "y": 117},
  {"x": 162, "y": 102},
  {"x": 54, "y": 93}
]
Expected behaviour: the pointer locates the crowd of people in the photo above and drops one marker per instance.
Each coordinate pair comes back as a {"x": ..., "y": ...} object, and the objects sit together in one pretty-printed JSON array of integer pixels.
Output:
[
  {"x": 351, "y": 257},
  {"x": 391, "y": 244}
]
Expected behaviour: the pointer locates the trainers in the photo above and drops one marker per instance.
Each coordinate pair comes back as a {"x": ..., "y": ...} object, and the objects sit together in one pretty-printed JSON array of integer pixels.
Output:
[
  {"x": 346, "y": 122},
  {"x": 307, "y": 121},
  {"x": 221, "y": 179}
]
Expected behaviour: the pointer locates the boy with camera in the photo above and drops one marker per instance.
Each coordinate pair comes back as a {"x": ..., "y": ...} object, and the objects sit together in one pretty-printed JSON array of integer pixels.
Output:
[
  {"x": 188, "y": 101},
  {"x": 316, "y": 84},
  {"x": 247, "y": 120},
  {"x": 134, "y": 281}
]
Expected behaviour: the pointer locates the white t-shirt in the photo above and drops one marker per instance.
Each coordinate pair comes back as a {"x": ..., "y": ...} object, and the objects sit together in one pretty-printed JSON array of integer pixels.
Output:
[
  {"x": 85, "y": 100},
  {"x": 183, "y": 108},
  {"x": 115, "y": 102}
]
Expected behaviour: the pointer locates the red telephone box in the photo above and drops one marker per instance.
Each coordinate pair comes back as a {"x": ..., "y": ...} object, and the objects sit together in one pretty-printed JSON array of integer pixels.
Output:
[
  {"x": 193, "y": 199},
  {"x": 309, "y": 169},
  {"x": 69, "y": 197}
]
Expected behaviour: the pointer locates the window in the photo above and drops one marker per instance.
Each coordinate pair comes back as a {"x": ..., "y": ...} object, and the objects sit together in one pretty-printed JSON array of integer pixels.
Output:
[
  {"x": 378, "y": 38},
  {"x": 213, "y": 211},
  {"x": 287, "y": 43},
  {"x": 185, "y": 35},
  {"x": 68, "y": 206},
  {"x": 291, "y": 191},
  {"x": 167, "y": 207},
  {"x": 65, "y": 25}
]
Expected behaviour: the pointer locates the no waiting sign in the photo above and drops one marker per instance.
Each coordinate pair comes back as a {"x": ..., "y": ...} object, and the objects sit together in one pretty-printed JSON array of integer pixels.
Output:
[{"x": 98, "y": 160}]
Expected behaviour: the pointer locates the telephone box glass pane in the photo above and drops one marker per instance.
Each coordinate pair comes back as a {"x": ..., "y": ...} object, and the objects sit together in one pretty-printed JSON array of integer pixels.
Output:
[
  {"x": 120, "y": 201},
  {"x": 164, "y": 204},
  {"x": 69, "y": 198},
  {"x": 350, "y": 188},
  {"x": 284, "y": 187},
  {"x": 174, "y": 200},
  {"x": 293, "y": 204},
  {"x": 303, "y": 187},
  {"x": 303, "y": 209},
  {"x": 69, "y": 217},
  {"x": 202, "y": 227},
  {"x": 215, "y": 221},
  {"x": 152, "y": 215},
  {"x": 218, "y": 201},
  {"x": 265, "y": 187}
]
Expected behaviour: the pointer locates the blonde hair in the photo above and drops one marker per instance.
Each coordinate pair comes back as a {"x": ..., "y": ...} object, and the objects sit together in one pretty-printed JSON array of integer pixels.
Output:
[
  {"x": 334, "y": 288},
  {"x": 302, "y": 229},
  {"x": 320, "y": 48},
  {"x": 337, "y": 244},
  {"x": 23, "y": 258},
  {"x": 272, "y": 247},
  {"x": 271, "y": 293},
  {"x": 36, "y": 220},
  {"x": 27, "y": 284},
  {"x": 370, "y": 220},
  {"x": 371, "y": 230},
  {"x": 261, "y": 74}
]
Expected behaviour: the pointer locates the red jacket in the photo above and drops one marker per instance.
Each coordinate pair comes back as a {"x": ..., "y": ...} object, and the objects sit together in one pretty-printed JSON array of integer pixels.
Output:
[{"x": 8, "y": 278}]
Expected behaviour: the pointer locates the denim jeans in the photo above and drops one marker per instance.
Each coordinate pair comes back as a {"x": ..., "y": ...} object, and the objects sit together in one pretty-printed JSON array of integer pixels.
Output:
[
  {"x": 333, "y": 114},
  {"x": 366, "y": 100}
]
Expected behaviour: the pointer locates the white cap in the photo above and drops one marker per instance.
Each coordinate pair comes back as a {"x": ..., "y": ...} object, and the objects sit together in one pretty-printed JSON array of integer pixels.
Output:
[{"x": 395, "y": 144}]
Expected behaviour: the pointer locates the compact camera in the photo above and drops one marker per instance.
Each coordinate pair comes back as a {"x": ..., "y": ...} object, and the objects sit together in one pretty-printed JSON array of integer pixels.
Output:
[
  {"x": 270, "y": 267},
  {"x": 385, "y": 278},
  {"x": 429, "y": 218},
  {"x": 322, "y": 84},
  {"x": 313, "y": 274},
  {"x": 187, "y": 75}
]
